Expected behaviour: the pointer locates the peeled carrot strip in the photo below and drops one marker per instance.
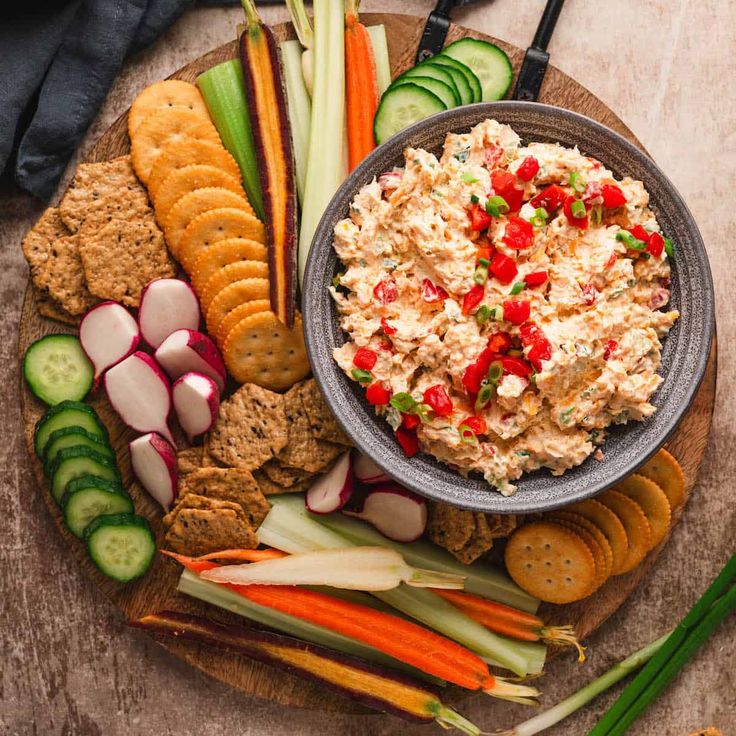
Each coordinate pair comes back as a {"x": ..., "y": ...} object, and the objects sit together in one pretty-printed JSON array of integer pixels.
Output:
[{"x": 248, "y": 555}]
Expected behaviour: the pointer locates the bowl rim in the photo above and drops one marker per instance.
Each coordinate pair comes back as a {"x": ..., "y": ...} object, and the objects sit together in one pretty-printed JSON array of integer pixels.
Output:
[{"x": 315, "y": 333}]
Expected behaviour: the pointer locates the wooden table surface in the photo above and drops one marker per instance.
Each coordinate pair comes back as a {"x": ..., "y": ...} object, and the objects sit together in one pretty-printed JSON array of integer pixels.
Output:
[{"x": 70, "y": 666}]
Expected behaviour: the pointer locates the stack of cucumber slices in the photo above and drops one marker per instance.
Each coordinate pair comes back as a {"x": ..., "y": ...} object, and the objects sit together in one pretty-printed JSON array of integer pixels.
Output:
[
  {"x": 467, "y": 71},
  {"x": 73, "y": 446}
]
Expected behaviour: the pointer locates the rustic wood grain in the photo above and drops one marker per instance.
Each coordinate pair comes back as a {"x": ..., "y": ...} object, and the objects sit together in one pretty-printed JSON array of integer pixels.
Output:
[{"x": 157, "y": 590}]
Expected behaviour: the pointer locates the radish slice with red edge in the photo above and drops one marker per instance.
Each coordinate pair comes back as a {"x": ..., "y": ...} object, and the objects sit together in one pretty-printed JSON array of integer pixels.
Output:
[
  {"x": 188, "y": 350},
  {"x": 333, "y": 490},
  {"x": 167, "y": 305},
  {"x": 140, "y": 393},
  {"x": 196, "y": 400},
  {"x": 108, "y": 333},
  {"x": 366, "y": 470},
  {"x": 394, "y": 511},
  {"x": 153, "y": 460}
]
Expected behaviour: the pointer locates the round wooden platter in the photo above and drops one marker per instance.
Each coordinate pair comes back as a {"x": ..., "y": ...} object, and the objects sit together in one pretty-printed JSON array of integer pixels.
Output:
[{"x": 157, "y": 590}]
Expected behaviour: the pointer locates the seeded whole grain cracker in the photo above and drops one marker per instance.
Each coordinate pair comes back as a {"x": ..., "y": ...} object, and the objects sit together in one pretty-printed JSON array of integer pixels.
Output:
[
  {"x": 666, "y": 472},
  {"x": 101, "y": 191},
  {"x": 448, "y": 526},
  {"x": 550, "y": 562},
  {"x": 261, "y": 349},
  {"x": 213, "y": 226},
  {"x": 50, "y": 309},
  {"x": 269, "y": 488},
  {"x": 240, "y": 312},
  {"x": 186, "y": 208},
  {"x": 166, "y": 94},
  {"x": 321, "y": 420},
  {"x": 189, "y": 152},
  {"x": 56, "y": 267},
  {"x": 653, "y": 503},
  {"x": 251, "y": 428},
  {"x": 283, "y": 475},
  {"x": 197, "y": 501},
  {"x": 201, "y": 531},
  {"x": 165, "y": 126},
  {"x": 635, "y": 523},
  {"x": 501, "y": 525},
  {"x": 189, "y": 460},
  {"x": 480, "y": 542},
  {"x": 222, "y": 253},
  {"x": 230, "y": 274},
  {"x": 120, "y": 258},
  {"x": 611, "y": 526},
  {"x": 233, "y": 296}
]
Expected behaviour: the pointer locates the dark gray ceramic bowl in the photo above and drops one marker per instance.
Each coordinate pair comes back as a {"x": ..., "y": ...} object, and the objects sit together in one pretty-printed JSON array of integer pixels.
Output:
[{"x": 685, "y": 348}]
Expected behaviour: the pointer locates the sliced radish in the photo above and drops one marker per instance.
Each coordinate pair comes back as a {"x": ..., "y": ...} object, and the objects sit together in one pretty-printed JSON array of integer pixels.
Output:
[
  {"x": 184, "y": 351},
  {"x": 108, "y": 333},
  {"x": 167, "y": 305},
  {"x": 366, "y": 471},
  {"x": 332, "y": 490},
  {"x": 196, "y": 403},
  {"x": 154, "y": 463},
  {"x": 140, "y": 393},
  {"x": 396, "y": 512}
]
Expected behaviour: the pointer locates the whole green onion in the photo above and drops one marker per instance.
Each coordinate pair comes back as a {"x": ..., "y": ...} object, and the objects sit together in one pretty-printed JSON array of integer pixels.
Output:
[
  {"x": 496, "y": 206},
  {"x": 577, "y": 208},
  {"x": 577, "y": 182}
]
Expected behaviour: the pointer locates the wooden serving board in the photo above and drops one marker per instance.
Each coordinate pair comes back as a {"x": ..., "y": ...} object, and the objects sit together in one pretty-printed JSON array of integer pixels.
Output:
[{"x": 157, "y": 590}]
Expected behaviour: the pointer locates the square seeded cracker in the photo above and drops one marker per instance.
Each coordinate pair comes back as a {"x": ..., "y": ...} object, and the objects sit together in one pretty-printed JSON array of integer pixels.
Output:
[
  {"x": 323, "y": 423},
  {"x": 51, "y": 309},
  {"x": 56, "y": 267},
  {"x": 269, "y": 488},
  {"x": 251, "y": 428},
  {"x": 449, "y": 527},
  {"x": 197, "y": 501},
  {"x": 102, "y": 191},
  {"x": 201, "y": 531},
  {"x": 189, "y": 460},
  {"x": 121, "y": 257},
  {"x": 228, "y": 484},
  {"x": 480, "y": 542},
  {"x": 283, "y": 475}
]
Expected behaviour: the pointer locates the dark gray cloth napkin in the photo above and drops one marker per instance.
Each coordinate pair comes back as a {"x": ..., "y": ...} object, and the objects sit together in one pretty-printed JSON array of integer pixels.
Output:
[{"x": 56, "y": 68}]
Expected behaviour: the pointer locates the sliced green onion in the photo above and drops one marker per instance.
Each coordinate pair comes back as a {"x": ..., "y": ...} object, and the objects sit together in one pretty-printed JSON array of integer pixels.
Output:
[
  {"x": 539, "y": 218},
  {"x": 481, "y": 275},
  {"x": 483, "y": 314},
  {"x": 336, "y": 278},
  {"x": 577, "y": 208},
  {"x": 517, "y": 288},
  {"x": 632, "y": 243},
  {"x": 422, "y": 411},
  {"x": 467, "y": 435},
  {"x": 495, "y": 371},
  {"x": 468, "y": 178},
  {"x": 484, "y": 396},
  {"x": 361, "y": 376},
  {"x": 669, "y": 248},
  {"x": 496, "y": 313},
  {"x": 645, "y": 256},
  {"x": 496, "y": 206},
  {"x": 403, "y": 402},
  {"x": 577, "y": 182},
  {"x": 474, "y": 199},
  {"x": 596, "y": 215},
  {"x": 484, "y": 262}
]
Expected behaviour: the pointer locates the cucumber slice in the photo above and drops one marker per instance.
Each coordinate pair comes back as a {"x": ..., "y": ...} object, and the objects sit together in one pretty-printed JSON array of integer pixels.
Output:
[
  {"x": 121, "y": 545},
  {"x": 74, "y": 462},
  {"x": 490, "y": 64},
  {"x": 67, "y": 414},
  {"x": 476, "y": 92},
  {"x": 438, "y": 72},
  {"x": 401, "y": 106},
  {"x": 442, "y": 90},
  {"x": 88, "y": 497},
  {"x": 451, "y": 67},
  {"x": 73, "y": 437},
  {"x": 56, "y": 369}
]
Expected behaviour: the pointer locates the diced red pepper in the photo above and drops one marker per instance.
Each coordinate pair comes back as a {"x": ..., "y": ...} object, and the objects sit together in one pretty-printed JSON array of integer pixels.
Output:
[
  {"x": 515, "y": 366},
  {"x": 504, "y": 185},
  {"x": 499, "y": 342},
  {"x": 540, "y": 349},
  {"x": 593, "y": 190},
  {"x": 386, "y": 291},
  {"x": 639, "y": 233},
  {"x": 437, "y": 398},
  {"x": 431, "y": 293},
  {"x": 473, "y": 376},
  {"x": 386, "y": 346},
  {"x": 377, "y": 394},
  {"x": 479, "y": 218},
  {"x": 493, "y": 154},
  {"x": 611, "y": 262},
  {"x": 590, "y": 294},
  {"x": 477, "y": 425},
  {"x": 473, "y": 298},
  {"x": 655, "y": 244},
  {"x": 408, "y": 441},
  {"x": 549, "y": 199},
  {"x": 580, "y": 222},
  {"x": 387, "y": 328},
  {"x": 528, "y": 169},
  {"x": 609, "y": 348},
  {"x": 503, "y": 268},
  {"x": 516, "y": 311},
  {"x": 537, "y": 353},
  {"x": 535, "y": 279},
  {"x": 519, "y": 233},
  {"x": 365, "y": 359},
  {"x": 410, "y": 421},
  {"x": 613, "y": 197}
]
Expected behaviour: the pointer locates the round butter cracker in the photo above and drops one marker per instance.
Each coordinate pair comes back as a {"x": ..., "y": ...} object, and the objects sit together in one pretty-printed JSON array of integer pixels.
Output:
[
  {"x": 229, "y": 275},
  {"x": 653, "y": 503},
  {"x": 222, "y": 253},
  {"x": 233, "y": 296},
  {"x": 166, "y": 94},
  {"x": 610, "y": 525},
  {"x": 666, "y": 472},
  {"x": 635, "y": 523}
]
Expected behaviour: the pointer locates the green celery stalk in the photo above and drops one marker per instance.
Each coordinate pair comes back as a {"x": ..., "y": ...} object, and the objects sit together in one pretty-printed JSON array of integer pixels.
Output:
[
  {"x": 224, "y": 95},
  {"x": 325, "y": 162},
  {"x": 380, "y": 54}
]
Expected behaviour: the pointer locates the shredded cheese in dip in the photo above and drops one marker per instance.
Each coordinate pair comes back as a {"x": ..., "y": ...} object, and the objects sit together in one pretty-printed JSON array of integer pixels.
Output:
[{"x": 503, "y": 335}]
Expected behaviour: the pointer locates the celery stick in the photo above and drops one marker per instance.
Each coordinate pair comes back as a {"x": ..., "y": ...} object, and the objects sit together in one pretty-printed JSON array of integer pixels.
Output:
[
  {"x": 380, "y": 54},
  {"x": 217, "y": 595},
  {"x": 224, "y": 95},
  {"x": 325, "y": 161},
  {"x": 300, "y": 109}
]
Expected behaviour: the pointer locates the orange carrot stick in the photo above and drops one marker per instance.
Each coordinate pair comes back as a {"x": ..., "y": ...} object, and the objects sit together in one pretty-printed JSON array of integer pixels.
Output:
[
  {"x": 248, "y": 555},
  {"x": 510, "y": 621},
  {"x": 361, "y": 87}
]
